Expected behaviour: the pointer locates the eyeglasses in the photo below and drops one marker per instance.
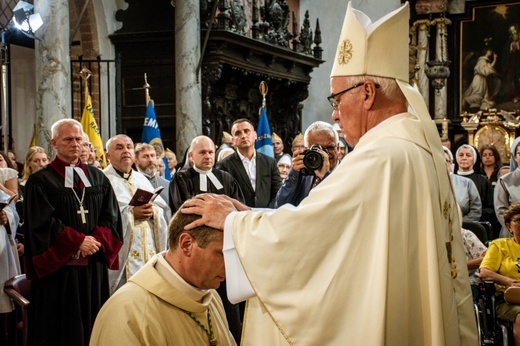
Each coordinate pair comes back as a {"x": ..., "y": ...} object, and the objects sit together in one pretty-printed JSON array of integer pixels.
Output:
[
  {"x": 330, "y": 148},
  {"x": 332, "y": 98}
]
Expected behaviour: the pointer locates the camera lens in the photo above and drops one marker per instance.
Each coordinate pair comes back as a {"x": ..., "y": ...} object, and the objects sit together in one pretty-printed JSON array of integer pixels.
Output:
[{"x": 312, "y": 160}]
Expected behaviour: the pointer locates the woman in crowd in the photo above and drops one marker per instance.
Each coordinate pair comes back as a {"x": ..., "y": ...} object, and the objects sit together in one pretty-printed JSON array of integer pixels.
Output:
[
  {"x": 9, "y": 264},
  {"x": 160, "y": 168},
  {"x": 507, "y": 190},
  {"x": 466, "y": 157},
  {"x": 8, "y": 176},
  {"x": 465, "y": 192},
  {"x": 500, "y": 264},
  {"x": 172, "y": 160},
  {"x": 490, "y": 162},
  {"x": 503, "y": 171},
  {"x": 35, "y": 159},
  {"x": 284, "y": 165}
]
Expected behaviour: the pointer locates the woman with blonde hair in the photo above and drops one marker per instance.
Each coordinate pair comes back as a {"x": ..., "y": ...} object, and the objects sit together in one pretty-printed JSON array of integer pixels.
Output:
[{"x": 35, "y": 159}]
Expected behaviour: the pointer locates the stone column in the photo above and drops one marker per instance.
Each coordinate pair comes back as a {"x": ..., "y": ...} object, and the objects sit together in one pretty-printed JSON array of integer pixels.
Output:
[
  {"x": 423, "y": 56},
  {"x": 53, "y": 96},
  {"x": 441, "y": 54},
  {"x": 188, "y": 82}
]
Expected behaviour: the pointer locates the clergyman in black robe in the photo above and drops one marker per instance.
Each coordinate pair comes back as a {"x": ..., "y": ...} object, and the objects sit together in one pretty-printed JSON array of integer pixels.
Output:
[
  {"x": 187, "y": 183},
  {"x": 69, "y": 275}
]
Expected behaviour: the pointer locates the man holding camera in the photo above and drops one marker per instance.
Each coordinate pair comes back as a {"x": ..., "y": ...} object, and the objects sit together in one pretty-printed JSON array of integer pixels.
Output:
[{"x": 310, "y": 166}]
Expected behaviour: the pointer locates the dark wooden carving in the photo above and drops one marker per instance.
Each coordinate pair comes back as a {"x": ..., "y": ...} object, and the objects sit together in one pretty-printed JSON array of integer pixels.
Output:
[{"x": 233, "y": 66}]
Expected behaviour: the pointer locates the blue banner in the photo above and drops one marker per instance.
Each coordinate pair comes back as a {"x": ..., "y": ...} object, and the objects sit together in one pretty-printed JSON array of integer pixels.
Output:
[
  {"x": 152, "y": 135},
  {"x": 264, "y": 143}
]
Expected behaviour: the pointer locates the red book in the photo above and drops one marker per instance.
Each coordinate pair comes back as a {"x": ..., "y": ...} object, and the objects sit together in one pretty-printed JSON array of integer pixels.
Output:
[{"x": 141, "y": 196}]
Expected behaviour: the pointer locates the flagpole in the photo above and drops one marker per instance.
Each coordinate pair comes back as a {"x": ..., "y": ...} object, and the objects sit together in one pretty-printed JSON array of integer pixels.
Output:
[
  {"x": 88, "y": 122},
  {"x": 85, "y": 75},
  {"x": 146, "y": 88},
  {"x": 263, "y": 143},
  {"x": 263, "y": 90}
]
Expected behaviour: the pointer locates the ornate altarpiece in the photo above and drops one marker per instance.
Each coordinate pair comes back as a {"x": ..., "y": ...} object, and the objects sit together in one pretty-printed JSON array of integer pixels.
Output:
[{"x": 245, "y": 46}]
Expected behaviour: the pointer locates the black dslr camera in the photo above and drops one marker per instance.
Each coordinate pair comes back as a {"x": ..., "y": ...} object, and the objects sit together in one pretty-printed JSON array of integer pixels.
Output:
[{"x": 312, "y": 160}]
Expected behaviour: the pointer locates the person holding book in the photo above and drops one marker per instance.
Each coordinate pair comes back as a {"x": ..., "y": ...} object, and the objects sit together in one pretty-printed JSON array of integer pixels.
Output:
[
  {"x": 144, "y": 226},
  {"x": 147, "y": 162}
]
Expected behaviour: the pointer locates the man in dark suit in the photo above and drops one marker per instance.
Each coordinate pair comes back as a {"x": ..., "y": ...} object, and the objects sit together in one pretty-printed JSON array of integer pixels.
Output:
[{"x": 256, "y": 173}]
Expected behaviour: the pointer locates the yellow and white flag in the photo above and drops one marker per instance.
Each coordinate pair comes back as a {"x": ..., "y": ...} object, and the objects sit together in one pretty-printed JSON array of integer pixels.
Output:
[{"x": 92, "y": 130}]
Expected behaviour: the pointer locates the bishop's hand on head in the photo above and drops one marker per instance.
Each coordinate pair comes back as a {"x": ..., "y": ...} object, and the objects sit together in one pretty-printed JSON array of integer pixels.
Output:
[{"x": 212, "y": 208}]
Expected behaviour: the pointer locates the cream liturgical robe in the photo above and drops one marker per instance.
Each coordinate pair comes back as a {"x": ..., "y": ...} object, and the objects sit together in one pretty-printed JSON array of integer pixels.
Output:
[
  {"x": 363, "y": 259},
  {"x": 142, "y": 238},
  {"x": 151, "y": 310}
]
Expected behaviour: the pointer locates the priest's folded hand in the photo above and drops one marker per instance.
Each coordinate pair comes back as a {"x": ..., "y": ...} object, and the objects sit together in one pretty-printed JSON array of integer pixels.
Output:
[
  {"x": 143, "y": 212},
  {"x": 89, "y": 246}
]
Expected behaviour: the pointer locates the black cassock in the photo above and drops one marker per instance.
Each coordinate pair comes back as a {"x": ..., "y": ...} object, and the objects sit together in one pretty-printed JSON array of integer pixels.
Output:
[
  {"x": 186, "y": 184},
  {"x": 67, "y": 293}
]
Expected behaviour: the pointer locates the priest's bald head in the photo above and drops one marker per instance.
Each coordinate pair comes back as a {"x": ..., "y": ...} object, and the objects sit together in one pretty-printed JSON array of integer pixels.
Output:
[
  {"x": 202, "y": 153},
  {"x": 196, "y": 255}
]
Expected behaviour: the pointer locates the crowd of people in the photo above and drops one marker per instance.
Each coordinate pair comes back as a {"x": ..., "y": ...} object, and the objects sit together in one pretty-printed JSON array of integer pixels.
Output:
[
  {"x": 343, "y": 237},
  {"x": 73, "y": 224}
]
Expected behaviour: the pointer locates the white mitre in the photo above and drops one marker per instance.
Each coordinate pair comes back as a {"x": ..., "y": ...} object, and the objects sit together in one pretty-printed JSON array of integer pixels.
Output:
[
  {"x": 381, "y": 49},
  {"x": 377, "y": 49}
]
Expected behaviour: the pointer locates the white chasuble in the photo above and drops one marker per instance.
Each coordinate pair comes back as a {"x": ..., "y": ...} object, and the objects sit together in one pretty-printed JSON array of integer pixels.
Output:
[
  {"x": 363, "y": 259},
  {"x": 142, "y": 238},
  {"x": 152, "y": 310}
]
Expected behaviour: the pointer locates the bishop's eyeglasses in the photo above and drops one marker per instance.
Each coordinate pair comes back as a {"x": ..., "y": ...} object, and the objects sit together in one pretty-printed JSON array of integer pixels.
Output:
[{"x": 332, "y": 98}]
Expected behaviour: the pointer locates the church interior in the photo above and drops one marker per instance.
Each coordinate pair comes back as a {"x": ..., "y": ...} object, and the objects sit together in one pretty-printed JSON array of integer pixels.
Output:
[{"x": 204, "y": 61}]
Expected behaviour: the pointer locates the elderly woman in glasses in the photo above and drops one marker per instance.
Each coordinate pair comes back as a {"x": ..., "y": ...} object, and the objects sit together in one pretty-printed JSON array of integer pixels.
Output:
[{"x": 502, "y": 265}]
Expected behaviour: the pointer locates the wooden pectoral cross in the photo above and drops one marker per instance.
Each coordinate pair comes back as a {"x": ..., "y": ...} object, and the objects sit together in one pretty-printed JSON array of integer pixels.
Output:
[{"x": 82, "y": 211}]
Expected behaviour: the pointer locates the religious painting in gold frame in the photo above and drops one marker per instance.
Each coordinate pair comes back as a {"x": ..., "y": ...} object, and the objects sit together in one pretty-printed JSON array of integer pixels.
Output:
[
  {"x": 489, "y": 59},
  {"x": 495, "y": 135}
]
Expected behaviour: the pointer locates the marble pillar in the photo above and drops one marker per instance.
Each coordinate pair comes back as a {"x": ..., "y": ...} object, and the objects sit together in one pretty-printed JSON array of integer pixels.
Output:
[
  {"x": 422, "y": 57},
  {"x": 188, "y": 82},
  {"x": 441, "y": 54},
  {"x": 52, "y": 58}
]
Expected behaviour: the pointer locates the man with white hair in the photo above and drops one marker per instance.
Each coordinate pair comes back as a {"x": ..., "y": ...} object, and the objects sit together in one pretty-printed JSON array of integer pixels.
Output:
[
  {"x": 144, "y": 226},
  {"x": 72, "y": 238},
  {"x": 374, "y": 254},
  {"x": 321, "y": 137}
]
